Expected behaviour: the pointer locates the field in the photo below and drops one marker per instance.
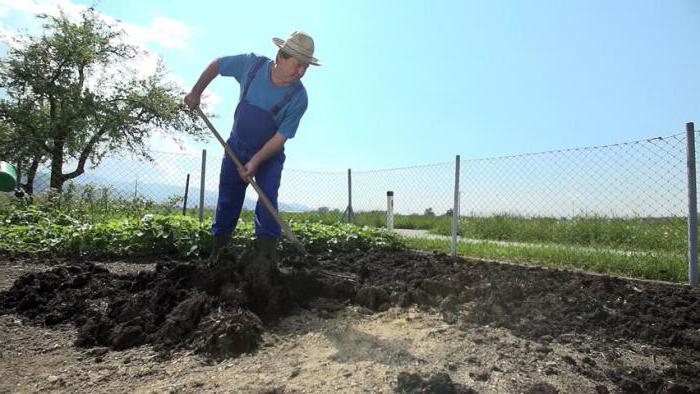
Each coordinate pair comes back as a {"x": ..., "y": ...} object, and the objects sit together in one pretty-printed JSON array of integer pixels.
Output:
[
  {"x": 93, "y": 300},
  {"x": 398, "y": 321}
]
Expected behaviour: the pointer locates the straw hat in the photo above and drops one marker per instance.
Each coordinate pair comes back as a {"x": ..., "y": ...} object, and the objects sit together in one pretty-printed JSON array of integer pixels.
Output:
[{"x": 300, "y": 45}]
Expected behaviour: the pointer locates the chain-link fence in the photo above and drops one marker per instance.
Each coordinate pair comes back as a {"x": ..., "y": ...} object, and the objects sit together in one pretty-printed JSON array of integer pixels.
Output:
[
  {"x": 646, "y": 178},
  {"x": 165, "y": 178},
  {"x": 637, "y": 179},
  {"x": 625, "y": 202},
  {"x": 623, "y": 198}
]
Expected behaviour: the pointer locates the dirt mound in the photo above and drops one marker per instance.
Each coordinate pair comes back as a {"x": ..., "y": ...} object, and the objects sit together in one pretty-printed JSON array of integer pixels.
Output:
[
  {"x": 218, "y": 312},
  {"x": 211, "y": 309}
]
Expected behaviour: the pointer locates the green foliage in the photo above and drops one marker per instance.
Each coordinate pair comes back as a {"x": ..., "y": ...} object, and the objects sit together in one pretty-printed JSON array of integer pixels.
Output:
[
  {"x": 75, "y": 92},
  {"x": 318, "y": 237},
  {"x": 85, "y": 203},
  {"x": 49, "y": 228},
  {"x": 152, "y": 235}
]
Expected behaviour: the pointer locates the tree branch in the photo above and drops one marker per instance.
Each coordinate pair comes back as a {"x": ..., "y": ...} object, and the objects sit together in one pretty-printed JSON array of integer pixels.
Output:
[{"x": 85, "y": 153}]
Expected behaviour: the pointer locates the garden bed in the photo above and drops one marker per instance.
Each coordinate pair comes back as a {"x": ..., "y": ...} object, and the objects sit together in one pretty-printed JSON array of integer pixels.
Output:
[{"x": 349, "y": 321}]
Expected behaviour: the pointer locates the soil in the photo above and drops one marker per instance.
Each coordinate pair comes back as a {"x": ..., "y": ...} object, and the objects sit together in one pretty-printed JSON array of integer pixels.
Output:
[{"x": 391, "y": 321}]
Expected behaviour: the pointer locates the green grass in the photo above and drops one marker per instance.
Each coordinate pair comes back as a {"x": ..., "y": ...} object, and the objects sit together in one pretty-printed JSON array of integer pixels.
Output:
[
  {"x": 654, "y": 235},
  {"x": 656, "y": 266},
  {"x": 641, "y": 234}
]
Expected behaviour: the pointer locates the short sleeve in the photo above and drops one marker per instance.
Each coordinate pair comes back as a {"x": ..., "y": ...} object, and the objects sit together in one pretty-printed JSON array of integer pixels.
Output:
[
  {"x": 290, "y": 122},
  {"x": 235, "y": 66}
]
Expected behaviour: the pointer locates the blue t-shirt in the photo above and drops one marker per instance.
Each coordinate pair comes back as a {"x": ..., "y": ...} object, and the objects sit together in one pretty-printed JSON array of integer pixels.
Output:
[{"x": 265, "y": 94}]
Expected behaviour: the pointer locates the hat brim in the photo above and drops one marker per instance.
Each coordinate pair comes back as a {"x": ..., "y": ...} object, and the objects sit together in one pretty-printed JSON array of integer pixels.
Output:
[{"x": 310, "y": 60}]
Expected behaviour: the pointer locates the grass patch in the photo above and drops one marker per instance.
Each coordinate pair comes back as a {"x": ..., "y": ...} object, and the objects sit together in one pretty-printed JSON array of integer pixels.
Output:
[
  {"x": 656, "y": 266},
  {"x": 654, "y": 235},
  {"x": 641, "y": 234}
]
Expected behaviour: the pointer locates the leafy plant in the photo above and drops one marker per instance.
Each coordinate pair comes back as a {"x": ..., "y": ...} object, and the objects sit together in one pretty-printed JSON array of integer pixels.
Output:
[{"x": 47, "y": 228}]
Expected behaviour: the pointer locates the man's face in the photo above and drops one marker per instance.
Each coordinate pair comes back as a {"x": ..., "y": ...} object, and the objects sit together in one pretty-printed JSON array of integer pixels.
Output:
[{"x": 292, "y": 69}]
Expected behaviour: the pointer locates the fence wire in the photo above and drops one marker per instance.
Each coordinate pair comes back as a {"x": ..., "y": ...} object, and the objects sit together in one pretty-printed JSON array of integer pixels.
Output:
[
  {"x": 645, "y": 178},
  {"x": 636, "y": 179}
]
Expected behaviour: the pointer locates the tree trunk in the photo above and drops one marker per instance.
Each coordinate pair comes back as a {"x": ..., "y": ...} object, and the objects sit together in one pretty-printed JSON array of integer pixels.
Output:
[
  {"x": 57, "y": 177},
  {"x": 31, "y": 175}
]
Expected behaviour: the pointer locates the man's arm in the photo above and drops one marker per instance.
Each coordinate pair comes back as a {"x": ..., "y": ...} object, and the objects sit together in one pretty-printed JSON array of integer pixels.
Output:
[
  {"x": 193, "y": 98},
  {"x": 272, "y": 146}
]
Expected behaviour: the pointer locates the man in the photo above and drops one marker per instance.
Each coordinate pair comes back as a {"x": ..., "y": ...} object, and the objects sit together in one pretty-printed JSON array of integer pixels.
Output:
[{"x": 271, "y": 104}]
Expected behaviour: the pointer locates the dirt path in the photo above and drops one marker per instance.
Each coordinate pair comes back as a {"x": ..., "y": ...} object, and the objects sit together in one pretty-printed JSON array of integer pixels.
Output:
[{"x": 413, "y": 322}]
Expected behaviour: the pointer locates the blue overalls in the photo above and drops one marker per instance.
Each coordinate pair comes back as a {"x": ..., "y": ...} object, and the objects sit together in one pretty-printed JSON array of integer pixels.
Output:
[{"x": 253, "y": 127}]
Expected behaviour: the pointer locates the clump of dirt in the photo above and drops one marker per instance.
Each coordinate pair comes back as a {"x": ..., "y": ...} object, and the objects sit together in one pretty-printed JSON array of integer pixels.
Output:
[
  {"x": 213, "y": 310},
  {"x": 438, "y": 383}
]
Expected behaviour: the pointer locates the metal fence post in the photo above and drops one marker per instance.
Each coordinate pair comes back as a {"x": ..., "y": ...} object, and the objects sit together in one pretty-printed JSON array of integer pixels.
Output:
[
  {"x": 201, "y": 185},
  {"x": 351, "y": 214},
  {"x": 455, "y": 209},
  {"x": 692, "y": 208},
  {"x": 390, "y": 210},
  {"x": 187, "y": 191}
]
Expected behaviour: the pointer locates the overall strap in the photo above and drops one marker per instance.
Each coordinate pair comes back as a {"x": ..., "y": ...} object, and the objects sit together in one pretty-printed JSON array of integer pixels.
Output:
[
  {"x": 251, "y": 75},
  {"x": 276, "y": 108}
]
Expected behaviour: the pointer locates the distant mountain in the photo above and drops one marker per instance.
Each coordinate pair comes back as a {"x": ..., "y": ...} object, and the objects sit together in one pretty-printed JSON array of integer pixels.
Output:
[{"x": 159, "y": 192}]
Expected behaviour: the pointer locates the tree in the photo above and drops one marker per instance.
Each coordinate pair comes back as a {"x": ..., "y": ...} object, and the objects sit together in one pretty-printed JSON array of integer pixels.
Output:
[
  {"x": 15, "y": 148},
  {"x": 429, "y": 212},
  {"x": 71, "y": 96}
]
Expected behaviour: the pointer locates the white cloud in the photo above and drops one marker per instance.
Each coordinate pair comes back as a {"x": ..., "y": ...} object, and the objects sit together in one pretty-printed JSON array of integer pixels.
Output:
[
  {"x": 50, "y": 7},
  {"x": 164, "y": 31},
  {"x": 169, "y": 33}
]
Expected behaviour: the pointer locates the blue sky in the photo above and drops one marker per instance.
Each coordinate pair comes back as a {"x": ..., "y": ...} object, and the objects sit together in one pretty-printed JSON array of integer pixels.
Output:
[{"x": 417, "y": 82}]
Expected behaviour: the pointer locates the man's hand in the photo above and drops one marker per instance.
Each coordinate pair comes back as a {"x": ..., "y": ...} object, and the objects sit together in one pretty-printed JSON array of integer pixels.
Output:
[
  {"x": 192, "y": 100},
  {"x": 247, "y": 172},
  {"x": 271, "y": 147}
]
